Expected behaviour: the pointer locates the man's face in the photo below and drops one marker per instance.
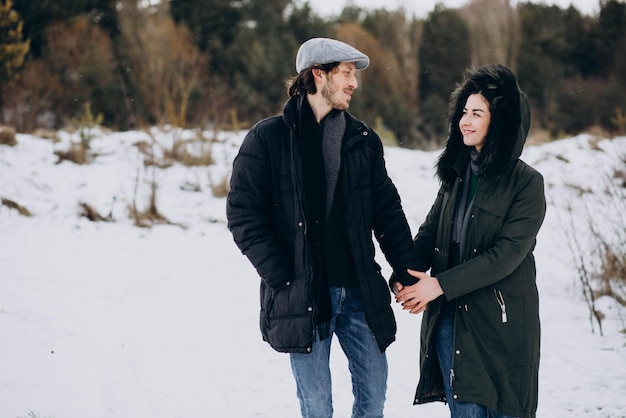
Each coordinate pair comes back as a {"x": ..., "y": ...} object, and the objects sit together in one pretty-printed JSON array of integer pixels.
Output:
[{"x": 339, "y": 84}]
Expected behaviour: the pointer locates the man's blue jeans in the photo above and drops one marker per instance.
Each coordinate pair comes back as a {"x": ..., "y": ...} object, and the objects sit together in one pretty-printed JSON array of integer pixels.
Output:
[
  {"x": 368, "y": 366},
  {"x": 444, "y": 342}
]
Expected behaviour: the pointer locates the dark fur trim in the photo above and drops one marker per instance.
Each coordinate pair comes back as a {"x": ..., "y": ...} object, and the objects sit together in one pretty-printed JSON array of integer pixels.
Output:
[{"x": 499, "y": 86}]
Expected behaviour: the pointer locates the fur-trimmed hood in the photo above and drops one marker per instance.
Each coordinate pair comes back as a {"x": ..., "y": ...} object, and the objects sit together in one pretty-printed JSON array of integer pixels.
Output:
[{"x": 510, "y": 123}]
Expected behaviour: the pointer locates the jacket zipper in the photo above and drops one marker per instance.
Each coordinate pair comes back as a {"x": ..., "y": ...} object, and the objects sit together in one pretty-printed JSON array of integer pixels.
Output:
[{"x": 500, "y": 300}]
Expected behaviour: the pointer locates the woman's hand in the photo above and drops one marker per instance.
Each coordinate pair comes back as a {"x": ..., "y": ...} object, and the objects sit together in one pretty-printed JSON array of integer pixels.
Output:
[{"x": 415, "y": 298}]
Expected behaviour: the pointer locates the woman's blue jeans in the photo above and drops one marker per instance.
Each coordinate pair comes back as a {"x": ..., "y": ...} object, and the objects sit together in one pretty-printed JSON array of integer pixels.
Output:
[
  {"x": 444, "y": 342},
  {"x": 368, "y": 366}
]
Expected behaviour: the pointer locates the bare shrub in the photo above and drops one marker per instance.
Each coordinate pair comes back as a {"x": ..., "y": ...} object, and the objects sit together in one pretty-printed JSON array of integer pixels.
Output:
[
  {"x": 7, "y": 136},
  {"x": 32, "y": 414},
  {"x": 194, "y": 152},
  {"x": 89, "y": 212},
  {"x": 613, "y": 275},
  {"x": 80, "y": 152},
  {"x": 75, "y": 153},
  {"x": 619, "y": 121},
  {"x": 44, "y": 133},
  {"x": 34, "y": 91},
  {"x": 150, "y": 216},
  {"x": 153, "y": 154},
  {"x": 76, "y": 66},
  {"x": 600, "y": 255},
  {"x": 167, "y": 66},
  {"x": 86, "y": 123},
  {"x": 620, "y": 174},
  {"x": 220, "y": 188},
  {"x": 585, "y": 271},
  {"x": 14, "y": 205},
  {"x": 153, "y": 159}
]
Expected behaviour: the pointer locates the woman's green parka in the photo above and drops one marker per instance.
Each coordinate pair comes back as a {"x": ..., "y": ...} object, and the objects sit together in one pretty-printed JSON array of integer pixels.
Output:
[{"x": 497, "y": 330}]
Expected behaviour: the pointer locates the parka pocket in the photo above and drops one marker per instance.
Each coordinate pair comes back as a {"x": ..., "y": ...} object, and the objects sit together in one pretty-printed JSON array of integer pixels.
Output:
[
  {"x": 492, "y": 212},
  {"x": 507, "y": 316},
  {"x": 502, "y": 303}
]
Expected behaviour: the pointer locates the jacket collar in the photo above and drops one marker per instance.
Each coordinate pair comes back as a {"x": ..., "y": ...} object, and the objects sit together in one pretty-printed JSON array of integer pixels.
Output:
[{"x": 292, "y": 111}]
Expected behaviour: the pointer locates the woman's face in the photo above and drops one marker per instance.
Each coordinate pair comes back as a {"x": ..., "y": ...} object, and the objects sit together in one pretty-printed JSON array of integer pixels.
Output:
[{"x": 474, "y": 123}]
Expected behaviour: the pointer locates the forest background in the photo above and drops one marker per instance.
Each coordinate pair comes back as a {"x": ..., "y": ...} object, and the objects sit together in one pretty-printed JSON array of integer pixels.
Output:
[{"x": 222, "y": 64}]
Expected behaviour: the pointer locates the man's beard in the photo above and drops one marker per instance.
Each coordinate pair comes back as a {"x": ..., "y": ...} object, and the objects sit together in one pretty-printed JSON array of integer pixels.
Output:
[{"x": 327, "y": 93}]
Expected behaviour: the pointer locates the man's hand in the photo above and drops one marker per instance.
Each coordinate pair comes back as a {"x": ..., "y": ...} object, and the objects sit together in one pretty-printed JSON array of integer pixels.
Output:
[
  {"x": 397, "y": 287},
  {"x": 416, "y": 297}
]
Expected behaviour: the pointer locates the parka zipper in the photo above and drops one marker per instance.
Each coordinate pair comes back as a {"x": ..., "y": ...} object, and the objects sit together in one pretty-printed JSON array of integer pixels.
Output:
[{"x": 500, "y": 300}]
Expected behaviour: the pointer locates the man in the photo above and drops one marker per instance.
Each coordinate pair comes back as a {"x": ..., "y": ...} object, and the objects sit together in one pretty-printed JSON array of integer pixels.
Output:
[{"x": 307, "y": 190}]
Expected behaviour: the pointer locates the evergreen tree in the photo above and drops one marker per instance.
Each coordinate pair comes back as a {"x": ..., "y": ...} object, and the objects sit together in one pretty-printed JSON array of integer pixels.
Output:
[
  {"x": 542, "y": 58},
  {"x": 13, "y": 48},
  {"x": 37, "y": 15},
  {"x": 214, "y": 23},
  {"x": 583, "y": 55},
  {"x": 444, "y": 55},
  {"x": 251, "y": 46},
  {"x": 612, "y": 34}
]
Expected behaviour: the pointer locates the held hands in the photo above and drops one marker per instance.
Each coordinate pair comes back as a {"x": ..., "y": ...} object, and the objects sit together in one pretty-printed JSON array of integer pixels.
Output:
[{"x": 415, "y": 298}]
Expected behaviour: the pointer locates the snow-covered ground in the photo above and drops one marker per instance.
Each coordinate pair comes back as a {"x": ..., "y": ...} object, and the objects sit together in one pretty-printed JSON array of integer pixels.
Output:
[{"x": 106, "y": 319}]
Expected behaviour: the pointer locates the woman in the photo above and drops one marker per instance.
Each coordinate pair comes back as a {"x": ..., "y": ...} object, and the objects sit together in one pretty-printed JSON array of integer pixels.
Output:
[{"x": 480, "y": 328}]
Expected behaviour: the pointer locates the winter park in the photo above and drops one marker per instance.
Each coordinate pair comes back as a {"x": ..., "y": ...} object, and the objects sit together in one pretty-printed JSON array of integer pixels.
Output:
[
  {"x": 110, "y": 319},
  {"x": 123, "y": 292}
]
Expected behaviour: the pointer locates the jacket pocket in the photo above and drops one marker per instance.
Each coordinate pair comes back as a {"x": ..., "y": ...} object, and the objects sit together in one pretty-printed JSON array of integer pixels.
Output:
[
  {"x": 267, "y": 300},
  {"x": 290, "y": 318}
]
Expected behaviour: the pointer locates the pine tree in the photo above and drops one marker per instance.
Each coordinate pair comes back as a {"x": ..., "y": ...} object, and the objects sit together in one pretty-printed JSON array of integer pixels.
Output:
[{"x": 13, "y": 48}]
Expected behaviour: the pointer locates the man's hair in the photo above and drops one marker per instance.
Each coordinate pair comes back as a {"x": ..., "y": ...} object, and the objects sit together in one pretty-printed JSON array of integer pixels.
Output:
[{"x": 304, "y": 83}]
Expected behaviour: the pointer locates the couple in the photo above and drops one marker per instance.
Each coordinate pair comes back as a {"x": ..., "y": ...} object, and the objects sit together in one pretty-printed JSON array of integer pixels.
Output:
[{"x": 309, "y": 187}]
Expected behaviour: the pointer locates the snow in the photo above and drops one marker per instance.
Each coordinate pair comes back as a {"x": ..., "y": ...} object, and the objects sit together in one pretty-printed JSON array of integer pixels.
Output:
[{"x": 107, "y": 319}]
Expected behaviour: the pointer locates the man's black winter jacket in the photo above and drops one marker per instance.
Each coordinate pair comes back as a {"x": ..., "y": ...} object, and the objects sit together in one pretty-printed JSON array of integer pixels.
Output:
[{"x": 266, "y": 215}]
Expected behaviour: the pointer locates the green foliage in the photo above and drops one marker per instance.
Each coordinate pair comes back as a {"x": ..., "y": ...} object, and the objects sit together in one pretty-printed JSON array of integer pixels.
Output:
[
  {"x": 251, "y": 46},
  {"x": 571, "y": 66},
  {"x": 444, "y": 55},
  {"x": 223, "y": 58},
  {"x": 612, "y": 31},
  {"x": 41, "y": 13},
  {"x": 582, "y": 56},
  {"x": 214, "y": 23},
  {"x": 13, "y": 48}
]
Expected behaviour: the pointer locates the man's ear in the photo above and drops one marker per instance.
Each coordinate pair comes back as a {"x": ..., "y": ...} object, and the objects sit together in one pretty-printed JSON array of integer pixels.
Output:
[{"x": 318, "y": 73}]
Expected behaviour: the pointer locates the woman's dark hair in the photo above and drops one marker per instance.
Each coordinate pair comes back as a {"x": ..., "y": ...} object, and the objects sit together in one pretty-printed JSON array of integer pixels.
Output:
[
  {"x": 303, "y": 82},
  {"x": 498, "y": 85}
]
